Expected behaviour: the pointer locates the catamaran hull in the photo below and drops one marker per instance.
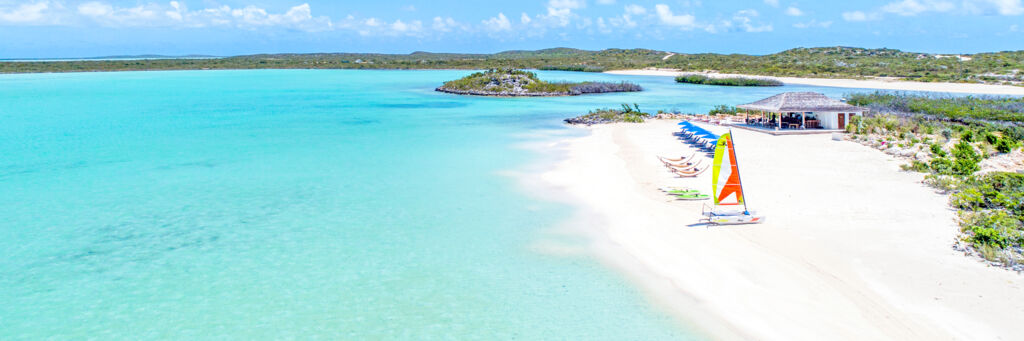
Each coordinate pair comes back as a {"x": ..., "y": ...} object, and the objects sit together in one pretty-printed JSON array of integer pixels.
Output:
[{"x": 734, "y": 219}]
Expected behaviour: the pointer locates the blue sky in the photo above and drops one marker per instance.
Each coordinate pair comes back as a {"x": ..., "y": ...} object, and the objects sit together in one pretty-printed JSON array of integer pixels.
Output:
[{"x": 67, "y": 28}]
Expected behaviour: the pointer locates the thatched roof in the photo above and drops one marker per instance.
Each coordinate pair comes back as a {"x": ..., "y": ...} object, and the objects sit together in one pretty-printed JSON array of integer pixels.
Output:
[{"x": 799, "y": 102}]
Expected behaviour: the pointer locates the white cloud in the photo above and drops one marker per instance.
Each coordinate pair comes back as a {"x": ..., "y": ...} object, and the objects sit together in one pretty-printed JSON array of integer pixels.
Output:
[
  {"x": 1008, "y": 7},
  {"x": 560, "y": 11},
  {"x": 793, "y": 11},
  {"x": 30, "y": 13},
  {"x": 567, "y": 4},
  {"x": 108, "y": 15},
  {"x": 499, "y": 23},
  {"x": 773, "y": 3},
  {"x": 444, "y": 24},
  {"x": 176, "y": 14},
  {"x": 402, "y": 27},
  {"x": 634, "y": 9},
  {"x": 915, "y": 7},
  {"x": 606, "y": 2},
  {"x": 665, "y": 15},
  {"x": 860, "y": 16},
  {"x": 624, "y": 20},
  {"x": 1002, "y": 7},
  {"x": 744, "y": 19},
  {"x": 813, "y": 24},
  {"x": 525, "y": 19}
]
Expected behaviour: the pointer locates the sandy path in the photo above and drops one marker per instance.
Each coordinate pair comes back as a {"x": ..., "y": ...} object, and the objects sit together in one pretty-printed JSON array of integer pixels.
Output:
[
  {"x": 876, "y": 83},
  {"x": 853, "y": 248}
]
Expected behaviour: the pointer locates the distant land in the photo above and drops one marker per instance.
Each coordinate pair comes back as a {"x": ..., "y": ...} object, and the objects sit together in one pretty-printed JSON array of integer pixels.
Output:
[
  {"x": 124, "y": 57},
  {"x": 819, "y": 62}
]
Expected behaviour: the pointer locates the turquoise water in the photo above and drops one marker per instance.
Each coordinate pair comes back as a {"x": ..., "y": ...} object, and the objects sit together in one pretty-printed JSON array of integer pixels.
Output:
[{"x": 298, "y": 204}]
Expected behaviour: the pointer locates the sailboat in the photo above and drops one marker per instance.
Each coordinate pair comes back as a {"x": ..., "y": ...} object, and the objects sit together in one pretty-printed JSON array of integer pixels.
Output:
[{"x": 727, "y": 188}]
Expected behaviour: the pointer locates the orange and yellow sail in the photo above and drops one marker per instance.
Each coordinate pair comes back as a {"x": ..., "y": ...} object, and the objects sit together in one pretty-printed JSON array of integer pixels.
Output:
[{"x": 725, "y": 174}]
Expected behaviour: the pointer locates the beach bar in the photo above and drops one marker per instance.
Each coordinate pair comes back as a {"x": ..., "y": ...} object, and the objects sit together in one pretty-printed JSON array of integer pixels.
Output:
[{"x": 801, "y": 111}]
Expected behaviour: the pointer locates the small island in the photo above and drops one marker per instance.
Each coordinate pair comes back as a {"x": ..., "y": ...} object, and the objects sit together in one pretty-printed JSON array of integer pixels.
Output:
[
  {"x": 512, "y": 82},
  {"x": 727, "y": 81}
]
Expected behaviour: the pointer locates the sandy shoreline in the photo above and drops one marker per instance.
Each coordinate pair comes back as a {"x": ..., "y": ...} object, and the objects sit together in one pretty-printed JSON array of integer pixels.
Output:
[
  {"x": 876, "y": 83},
  {"x": 853, "y": 248}
]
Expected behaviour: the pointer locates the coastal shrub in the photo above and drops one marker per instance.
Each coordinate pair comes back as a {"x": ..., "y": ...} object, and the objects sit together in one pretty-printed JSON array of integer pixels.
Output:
[
  {"x": 992, "y": 213},
  {"x": 727, "y": 81},
  {"x": 856, "y": 125},
  {"x": 577, "y": 68},
  {"x": 991, "y": 138},
  {"x": 1004, "y": 145},
  {"x": 965, "y": 166},
  {"x": 967, "y": 135},
  {"x": 630, "y": 114},
  {"x": 928, "y": 129},
  {"x": 604, "y": 87},
  {"x": 947, "y": 133},
  {"x": 937, "y": 150},
  {"x": 994, "y": 108},
  {"x": 916, "y": 166},
  {"x": 941, "y": 166},
  {"x": 722, "y": 109},
  {"x": 993, "y": 228},
  {"x": 942, "y": 183},
  {"x": 966, "y": 159}
]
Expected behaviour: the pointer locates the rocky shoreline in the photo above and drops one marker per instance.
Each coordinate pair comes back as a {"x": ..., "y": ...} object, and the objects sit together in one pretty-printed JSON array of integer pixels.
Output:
[{"x": 503, "y": 93}]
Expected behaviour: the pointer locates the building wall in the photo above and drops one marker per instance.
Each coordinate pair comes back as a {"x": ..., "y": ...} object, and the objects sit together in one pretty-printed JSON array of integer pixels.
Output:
[{"x": 830, "y": 120}]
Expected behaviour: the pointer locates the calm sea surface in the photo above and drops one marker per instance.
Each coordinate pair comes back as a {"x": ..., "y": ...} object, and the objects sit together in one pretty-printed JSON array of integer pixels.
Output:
[{"x": 299, "y": 204}]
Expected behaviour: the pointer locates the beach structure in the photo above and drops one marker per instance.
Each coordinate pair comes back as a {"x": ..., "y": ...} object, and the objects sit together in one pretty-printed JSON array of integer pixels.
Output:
[
  {"x": 727, "y": 188},
  {"x": 801, "y": 110}
]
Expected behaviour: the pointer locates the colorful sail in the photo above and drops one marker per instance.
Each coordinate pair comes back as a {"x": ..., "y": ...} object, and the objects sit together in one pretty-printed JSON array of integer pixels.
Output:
[{"x": 725, "y": 176}]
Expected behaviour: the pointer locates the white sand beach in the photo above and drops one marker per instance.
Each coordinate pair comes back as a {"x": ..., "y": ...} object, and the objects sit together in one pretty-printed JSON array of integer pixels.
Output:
[
  {"x": 871, "y": 83},
  {"x": 853, "y": 248}
]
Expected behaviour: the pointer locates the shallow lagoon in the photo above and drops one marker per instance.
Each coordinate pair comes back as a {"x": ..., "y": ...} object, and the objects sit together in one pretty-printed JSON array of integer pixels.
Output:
[{"x": 300, "y": 204}]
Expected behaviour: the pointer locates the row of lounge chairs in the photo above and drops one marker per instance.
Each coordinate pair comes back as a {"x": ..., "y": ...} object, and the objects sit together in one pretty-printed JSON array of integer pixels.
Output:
[
  {"x": 700, "y": 139},
  {"x": 697, "y": 137}
]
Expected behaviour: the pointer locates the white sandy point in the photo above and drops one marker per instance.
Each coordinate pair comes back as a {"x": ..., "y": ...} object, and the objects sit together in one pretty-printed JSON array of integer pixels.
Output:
[{"x": 852, "y": 249}]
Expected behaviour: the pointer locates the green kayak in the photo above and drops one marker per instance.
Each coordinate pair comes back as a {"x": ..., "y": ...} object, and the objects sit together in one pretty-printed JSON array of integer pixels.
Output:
[{"x": 693, "y": 196}]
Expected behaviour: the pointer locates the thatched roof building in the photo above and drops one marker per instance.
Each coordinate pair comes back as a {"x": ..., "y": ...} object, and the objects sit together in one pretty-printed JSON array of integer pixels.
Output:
[
  {"x": 804, "y": 110},
  {"x": 799, "y": 102}
]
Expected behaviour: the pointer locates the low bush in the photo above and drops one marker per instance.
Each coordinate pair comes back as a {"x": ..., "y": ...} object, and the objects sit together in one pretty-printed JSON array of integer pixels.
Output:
[{"x": 727, "y": 81}]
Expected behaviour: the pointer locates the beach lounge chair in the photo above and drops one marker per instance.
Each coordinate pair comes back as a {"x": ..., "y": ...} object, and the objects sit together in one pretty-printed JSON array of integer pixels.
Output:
[
  {"x": 687, "y": 174},
  {"x": 665, "y": 159},
  {"x": 683, "y": 167}
]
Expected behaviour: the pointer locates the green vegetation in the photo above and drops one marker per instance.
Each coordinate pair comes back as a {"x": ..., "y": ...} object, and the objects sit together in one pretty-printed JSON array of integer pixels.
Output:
[
  {"x": 992, "y": 215},
  {"x": 576, "y": 68},
  {"x": 988, "y": 108},
  {"x": 727, "y": 81},
  {"x": 511, "y": 82},
  {"x": 948, "y": 139},
  {"x": 723, "y": 109},
  {"x": 823, "y": 62},
  {"x": 601, "y": 116},
  {"x": 548, "y": 58},
  {"x": 852, "y": 62}
]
